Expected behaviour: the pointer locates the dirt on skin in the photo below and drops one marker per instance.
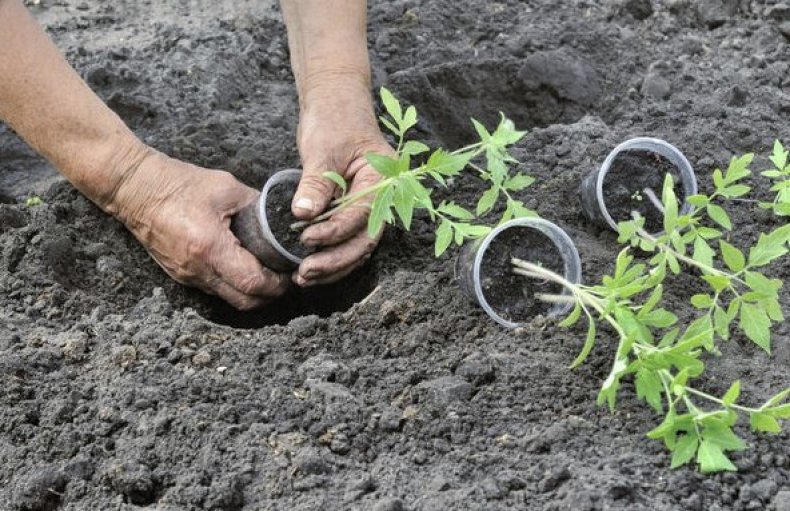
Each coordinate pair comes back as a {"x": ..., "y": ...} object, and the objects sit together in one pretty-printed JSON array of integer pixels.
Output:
[
  {"x": 513, "y": 296},
  {"x": 625, "y": 184},
  {"x": 117, "y": 394}
]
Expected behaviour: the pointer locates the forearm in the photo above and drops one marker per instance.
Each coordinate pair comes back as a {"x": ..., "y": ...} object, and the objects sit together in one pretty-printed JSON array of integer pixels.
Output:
[
  {"x": 46, "y": 102},
  {"x": 328, "y": 44}
]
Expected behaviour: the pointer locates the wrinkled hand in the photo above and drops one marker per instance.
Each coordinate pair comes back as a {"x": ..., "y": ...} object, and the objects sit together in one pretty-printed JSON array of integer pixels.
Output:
[
  {"x": 337, "y": 128},
  {"x": 181, "y": 214}
]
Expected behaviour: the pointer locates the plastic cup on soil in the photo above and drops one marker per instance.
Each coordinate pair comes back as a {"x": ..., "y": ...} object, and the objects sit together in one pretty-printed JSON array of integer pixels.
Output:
[
  {"x": 485, "y": 273},
  {"x": 263, "y": 226},
  {"x": 642, "y": 164}
]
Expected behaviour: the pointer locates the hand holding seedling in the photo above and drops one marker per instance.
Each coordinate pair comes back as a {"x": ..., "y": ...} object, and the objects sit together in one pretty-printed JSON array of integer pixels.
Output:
[
  {"x": 401, "y": 187},
  {"x": 337, "y": 128}
]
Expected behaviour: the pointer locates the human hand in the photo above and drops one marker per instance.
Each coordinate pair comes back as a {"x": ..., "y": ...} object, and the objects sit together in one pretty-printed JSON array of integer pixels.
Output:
[
  {"x": 181, "y": 213},
  {"x": 337, "y": 128}
]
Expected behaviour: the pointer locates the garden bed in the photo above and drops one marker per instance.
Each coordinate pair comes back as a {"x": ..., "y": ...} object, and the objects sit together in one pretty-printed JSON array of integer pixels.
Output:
[{"x": 390, "y": 390}]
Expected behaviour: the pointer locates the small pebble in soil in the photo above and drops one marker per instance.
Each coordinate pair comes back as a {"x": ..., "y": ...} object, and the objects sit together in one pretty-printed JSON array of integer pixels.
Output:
[
  {"x": 388, "y": 504},
  {"x": 476, "y": 368},
  {"x": 391, "y": 419},
  {"x": 440, "y": 392}
]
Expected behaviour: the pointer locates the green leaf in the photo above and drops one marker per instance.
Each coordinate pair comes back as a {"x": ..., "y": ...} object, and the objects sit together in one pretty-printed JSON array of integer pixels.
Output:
[
  {"x": 762, "y": 284},
  {"x": 733, "y": 257},
  {"x": 454, "y": 210},
  {"x": 769, "y": 247},
  {"x": 444, "y": 236},
  {"x": 684, "y": 450},
  {"x": 386, "y": 122},
  {"x": 781, "y": 412},
  {"x": 384, "y": 165},
  {"x": 756, "y": 325},
  {"x": 403, "y": 202},
  {"x": 732, "y": 394},
  {"x": 380, "y": 212},
  {"x": 735, "y": 191},
  {"x": 409, "y": 119},
  {"x": 392, "y": 105},
  {"x": 702, "y": 301},
  {"x": 588, "y": 346},
  {"x": 413, "y": 147},
  {"x": 764, "y": 423},
  {"x": 337, "y": 179},
  {"x": 573, "y": 317},
  {"x": 721, "y": 322},
  {"x": 718, "y": 215},
  {"x": 718, "y": 282},
  {"x": 738, "y": 168},
  {"x": 702, "y": 252},
  {"x": 518, "y": 182},
  {"x": 482, "y": 132},
  {"x": 649, "y": 388},
  {"x": 487, "y": 201},
  {"x": 711, "y": 458},
  {"x": 779, "y": 156},
  {"x": 670, "y": 205},
  {"x": 699, "y": 201}
]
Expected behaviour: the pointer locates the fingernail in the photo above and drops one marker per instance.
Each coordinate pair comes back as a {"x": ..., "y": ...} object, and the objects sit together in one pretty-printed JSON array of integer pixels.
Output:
[{"x": 304, "y": 203}]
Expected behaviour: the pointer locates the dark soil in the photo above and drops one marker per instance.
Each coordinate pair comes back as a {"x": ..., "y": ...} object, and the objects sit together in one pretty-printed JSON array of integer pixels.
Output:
[
  {"x": 119, "y": 390},
  {"x": 513, "y": 296},
  {"x": 278, "y": 213},
  {"x": 624, "y": 186}
]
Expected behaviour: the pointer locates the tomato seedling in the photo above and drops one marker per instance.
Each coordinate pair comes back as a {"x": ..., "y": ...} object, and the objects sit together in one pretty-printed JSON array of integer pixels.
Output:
[{"x": 404, "y": 184}]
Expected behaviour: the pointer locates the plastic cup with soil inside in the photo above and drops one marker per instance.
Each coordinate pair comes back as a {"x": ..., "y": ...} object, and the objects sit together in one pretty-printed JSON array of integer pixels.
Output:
[
  {"x": 485, "y": 271},
  {"x": 264, "y": 226},
  {"x": 631, "y": 179}
]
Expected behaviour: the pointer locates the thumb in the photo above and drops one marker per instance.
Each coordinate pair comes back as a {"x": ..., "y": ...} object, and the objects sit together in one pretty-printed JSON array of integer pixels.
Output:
[{"x": 313, "y": 193}]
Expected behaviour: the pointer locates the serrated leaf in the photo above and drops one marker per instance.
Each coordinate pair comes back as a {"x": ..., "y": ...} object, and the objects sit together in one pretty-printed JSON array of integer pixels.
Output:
[
  {"x": 685, "y": 449},
  {"x": 404, "y": 205},
  {"x": 756, "y": 325},
  {"x": 718, "y": 215},
  {"x": 337, "y": 179},
  {"x": 487, "y": 201},
  {"x": 762, "y": 284},
  {"x": 762, "y": 422},
  {"x": 482, "y": 132},
  {"x": 711, "y": 458},
  {"x": 454, "y": 210},
  {"x": 444, "y": 236},
  {"x": 738, "y": 168},
  {"x": 702, "y": 301},
  {"x": 670, "y": 205},
  {"x": 702, "y": 252},
  {"x": 391, "y": 105},
  {"x": 384, "y": 165},
  {"x": 409, "y": 119},
  {"x": 388, "y": 124},
  {"x": 721, "y": 322},
  {"x": 380, "y": 212},
  {"x": 779, "y": 156},
  {"x": 413, "y": 147},
  {"x": 518, "y": 182},
  {"x": 733, "y": 257},
  {"x": 649, "y": 387},
  {"x": 732, "y": 393}
]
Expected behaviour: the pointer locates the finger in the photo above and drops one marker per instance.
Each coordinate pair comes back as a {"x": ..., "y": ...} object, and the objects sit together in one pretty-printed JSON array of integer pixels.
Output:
[
  {"x": 335, "y": 277},
  {"x": 313, "y": 193},
  {"x": 333, "y": 263},
  {"x": 242, "y": 270},
  {"x": 347, "y": 222},
  {"x": 236, "y": 298}
]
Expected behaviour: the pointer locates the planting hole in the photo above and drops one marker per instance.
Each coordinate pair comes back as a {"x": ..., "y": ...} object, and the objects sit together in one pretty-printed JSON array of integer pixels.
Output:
[
  {"x": 319, "y": 300},
  {"x": 513, "y": 296},
  {"x": 633, "y": 183}
]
